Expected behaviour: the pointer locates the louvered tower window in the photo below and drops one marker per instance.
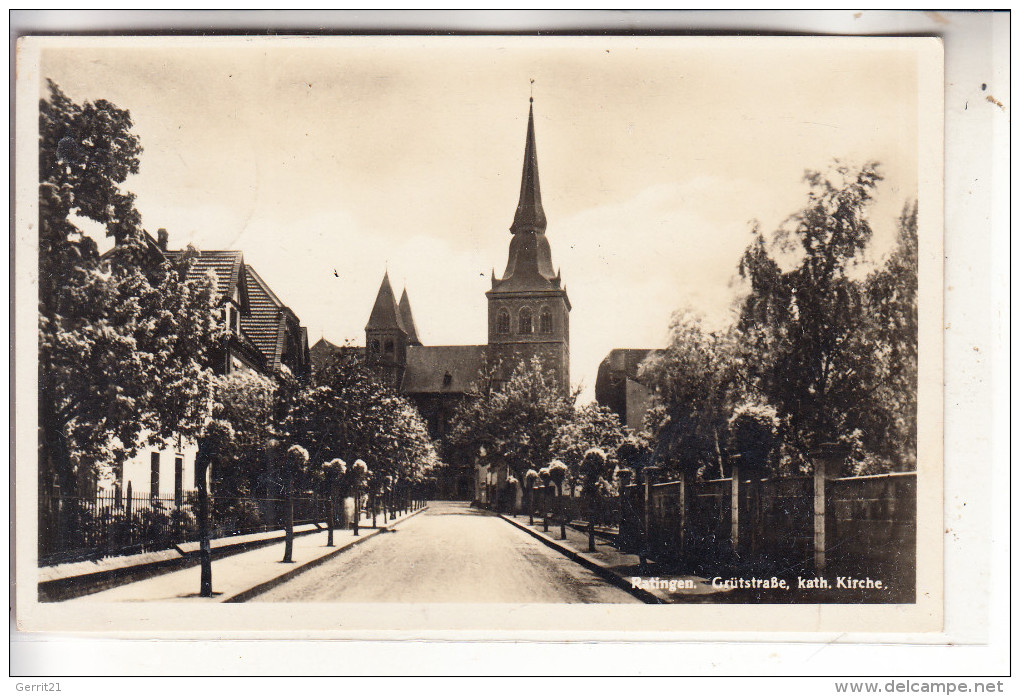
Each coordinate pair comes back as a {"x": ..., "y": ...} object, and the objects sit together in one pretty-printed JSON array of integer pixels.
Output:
[
  {"x": 545, "y": 322},
  {"x": 524, "y": 320}
]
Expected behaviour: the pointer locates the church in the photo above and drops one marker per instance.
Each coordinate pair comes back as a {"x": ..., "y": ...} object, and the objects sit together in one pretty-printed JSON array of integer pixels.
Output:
[{"x": 528, "y": 316}]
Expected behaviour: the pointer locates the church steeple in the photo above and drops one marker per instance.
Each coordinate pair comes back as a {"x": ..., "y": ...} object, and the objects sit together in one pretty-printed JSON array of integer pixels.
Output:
[
  {"x": 407, "y": 320},
  {"x": 529, "y": 311},
  {"x": 529, "y": 216},
  {"x": 384, "y": 312},
  {"x": 386, "y": 338},
  {"x": 529, "y": 264}
]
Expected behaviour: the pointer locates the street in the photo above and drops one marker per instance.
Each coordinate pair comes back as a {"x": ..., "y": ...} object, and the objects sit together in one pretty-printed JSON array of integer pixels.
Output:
[{"x": 450, "y": 553}]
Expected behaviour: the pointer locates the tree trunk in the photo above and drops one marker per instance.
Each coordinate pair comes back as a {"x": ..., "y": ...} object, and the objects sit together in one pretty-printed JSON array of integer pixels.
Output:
[
  {"x": 718, "y": 453},
  {"x": 357, "y": 508},
  {"x": 331, "y": 520},
  {"x": 563, "y": 512},
  {"x": 545, "y": 508},
  {"x": 288, "y": 545},
  {"x": 205, "y": 551}
]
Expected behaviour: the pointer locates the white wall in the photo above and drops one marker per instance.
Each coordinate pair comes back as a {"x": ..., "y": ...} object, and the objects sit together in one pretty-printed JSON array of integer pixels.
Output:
[{"x": 138, "y": 469}]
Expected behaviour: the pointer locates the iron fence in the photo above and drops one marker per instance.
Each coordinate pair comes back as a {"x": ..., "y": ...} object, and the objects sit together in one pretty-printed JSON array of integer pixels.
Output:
[{"x": 79, "y": 528}]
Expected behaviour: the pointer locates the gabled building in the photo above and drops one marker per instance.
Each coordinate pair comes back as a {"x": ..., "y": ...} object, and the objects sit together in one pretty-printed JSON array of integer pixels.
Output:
[
  {"x": 265, "y": 336},
  {"x": 274, "y": 329},
  {"x": 231, "y": 274}
]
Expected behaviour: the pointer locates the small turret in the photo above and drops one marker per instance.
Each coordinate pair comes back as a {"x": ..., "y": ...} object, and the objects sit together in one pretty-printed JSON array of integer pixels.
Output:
[{"x": 407, "y": 320}]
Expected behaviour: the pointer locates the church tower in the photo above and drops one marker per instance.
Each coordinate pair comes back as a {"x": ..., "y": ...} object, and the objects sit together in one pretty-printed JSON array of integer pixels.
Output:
[
  {"x": 389, "y": 331},
  {"x": 529, "y": 312}
]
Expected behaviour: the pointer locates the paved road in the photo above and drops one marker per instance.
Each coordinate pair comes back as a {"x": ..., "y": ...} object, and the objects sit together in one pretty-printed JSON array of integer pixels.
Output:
[{"x": 450, "y": 553}]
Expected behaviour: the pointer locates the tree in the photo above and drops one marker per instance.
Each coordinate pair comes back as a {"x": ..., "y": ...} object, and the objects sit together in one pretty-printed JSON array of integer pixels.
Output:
[
  {"x": 516, "y": 422},
  {"x": 693, "y": 380},
  {"x": 594, "y": 468},
  {"x": 85, "y": 152},
  {"x": 359, "y": 472},
  {"x": 123, "y": 339},
  {"x": 803, "y": 322},
  {"x": 752, "y": 435},
  {"x": 591, "y": 426},
  {"x": 296, "y": 459},
  {"x": 892, "y": 309},
  {"x": 558, "y": 474},
  {"x": 217, "y": 437},
  {"x": 333, "y": 471},
  {"x": 347, "y": 412},
  {"x": 247, "y": 401}
]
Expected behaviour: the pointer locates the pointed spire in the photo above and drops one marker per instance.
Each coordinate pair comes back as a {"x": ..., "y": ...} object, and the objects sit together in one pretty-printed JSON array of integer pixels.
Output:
[
  {"x": 529, "y": 216},
  {"x": 384, "y": 313},
  {"x": 407, "y": 319}
]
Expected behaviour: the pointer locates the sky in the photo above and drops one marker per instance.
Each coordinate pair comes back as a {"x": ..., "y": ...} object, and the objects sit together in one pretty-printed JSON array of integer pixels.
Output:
[{"x": 329, "y": 161}]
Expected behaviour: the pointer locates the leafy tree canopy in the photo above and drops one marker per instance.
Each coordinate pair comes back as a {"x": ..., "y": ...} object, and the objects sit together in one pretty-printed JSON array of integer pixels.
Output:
[
  {"x": 803, "y": 323},
  {"x": 516, "y": 422},
  {"x": 124, "y": 340}
]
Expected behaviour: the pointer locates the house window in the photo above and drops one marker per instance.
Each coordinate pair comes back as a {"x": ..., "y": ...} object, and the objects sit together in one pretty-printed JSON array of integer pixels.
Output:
[
  {"x": 545, "y": 322},
  {"x": 524, "y": 320},
  {"x": 178, "y": 479},
  {"x": 374, "y": 346},
  {"x": 154, "y": 474},
  {"x": 503, "y": 322},
  {"x": 232, "y": 313},
  {"x": 389, "y": 346}
]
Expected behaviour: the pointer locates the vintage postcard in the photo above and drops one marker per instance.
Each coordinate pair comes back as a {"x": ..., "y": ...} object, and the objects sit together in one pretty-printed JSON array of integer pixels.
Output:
[{"x": 482, "y": 336}]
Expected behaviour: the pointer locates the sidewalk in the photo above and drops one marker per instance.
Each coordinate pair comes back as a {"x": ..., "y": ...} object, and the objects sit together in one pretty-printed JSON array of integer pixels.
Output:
[
  {"x": 242, "y": 576},
  {"x": 622, "y": 569}
]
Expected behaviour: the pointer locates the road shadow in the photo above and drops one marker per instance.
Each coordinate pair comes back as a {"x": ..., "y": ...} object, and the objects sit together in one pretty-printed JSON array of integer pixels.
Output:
[{"x": 455, "y": 507}]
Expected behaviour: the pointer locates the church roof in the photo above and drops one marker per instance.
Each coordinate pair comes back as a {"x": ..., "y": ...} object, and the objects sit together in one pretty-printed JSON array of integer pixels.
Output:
[
  {"x": 407, "y": 319},
  {"x": 385, "y": 314},
  {"x": 442, "y": 369}
]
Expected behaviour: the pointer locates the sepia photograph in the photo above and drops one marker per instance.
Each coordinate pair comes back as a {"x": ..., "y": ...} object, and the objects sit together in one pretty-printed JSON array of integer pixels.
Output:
[{"x": 519, "y": 332}]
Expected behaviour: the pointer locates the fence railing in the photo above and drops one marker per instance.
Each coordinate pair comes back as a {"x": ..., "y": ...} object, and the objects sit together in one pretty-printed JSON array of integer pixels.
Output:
[{"x": 74, "y": 528}]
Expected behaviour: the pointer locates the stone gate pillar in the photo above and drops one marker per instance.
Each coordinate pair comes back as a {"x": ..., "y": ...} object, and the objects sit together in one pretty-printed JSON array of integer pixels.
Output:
[
  {"x": 826, "y": 458},
  {"x": 735, "y": 504}
]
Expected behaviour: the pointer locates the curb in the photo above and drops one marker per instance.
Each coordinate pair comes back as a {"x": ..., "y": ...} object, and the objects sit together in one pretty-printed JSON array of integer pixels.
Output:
[
  {"x": 74, "y": 586},
  {"x": 264, "y": 587},
  {"x": 590, "y": 563}
]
